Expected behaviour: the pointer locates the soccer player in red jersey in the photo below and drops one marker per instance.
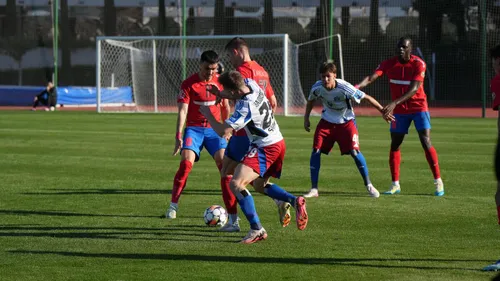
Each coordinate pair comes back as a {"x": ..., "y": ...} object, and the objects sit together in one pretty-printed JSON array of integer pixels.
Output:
[
  {"x": 495, "y": 90},
  {"x": 239, "y": 56},
  {"x": 406, "y": 74},
  {"x": 198, "y": 132}
]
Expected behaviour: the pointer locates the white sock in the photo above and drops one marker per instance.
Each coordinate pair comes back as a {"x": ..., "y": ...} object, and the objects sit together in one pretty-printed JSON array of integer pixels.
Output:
[{"x": 395, "y": 183}]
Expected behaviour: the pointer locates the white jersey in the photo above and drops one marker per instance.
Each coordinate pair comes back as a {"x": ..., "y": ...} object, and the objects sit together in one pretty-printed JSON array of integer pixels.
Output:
[
  {"x": 253, "y": 113},
  {"x": 337, "y": 107}
]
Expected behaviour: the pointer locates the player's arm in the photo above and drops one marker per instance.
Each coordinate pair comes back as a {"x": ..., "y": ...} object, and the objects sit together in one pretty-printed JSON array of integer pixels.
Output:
[
  {"x": 182, "y": 109},
  {"x": 412, "y": 90},
  {"x": 379, "y": 107},
  {"x": 313, "y": 95},
  {"x": 225, "y": 109},
  {"x": 222, "y": 129},
  {"x": 307, "y": 123},
  {"x": 367, "y": 80},
  {"x": 273, "y": 102}
]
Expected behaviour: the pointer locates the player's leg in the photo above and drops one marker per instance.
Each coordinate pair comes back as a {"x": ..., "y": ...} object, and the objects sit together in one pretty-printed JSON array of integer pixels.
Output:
[
  {"x": 348, "y": 139},
  {"x": 190, "y": 153},
  {"x": 216, "y": 146},
  {"x": 268, "y": 162},
  {"x": 423, "y": 126},
  {"x": 243, "y": 175},
  {"x": 322, "y": 143},
  {"x": 399, "y": 128}
]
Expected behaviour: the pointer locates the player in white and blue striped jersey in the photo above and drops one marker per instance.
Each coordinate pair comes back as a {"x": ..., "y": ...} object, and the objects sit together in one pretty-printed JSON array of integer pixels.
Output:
[{"x": 337, "y": 123}]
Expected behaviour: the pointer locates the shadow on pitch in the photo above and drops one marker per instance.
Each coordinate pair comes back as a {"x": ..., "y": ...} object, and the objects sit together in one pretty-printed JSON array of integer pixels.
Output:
[
  {"x": 361, "y": 262},
  {"x": 188, "y": 233},
  {"x": 107, "y": 191},
  {"x": 67, "y": 214}
]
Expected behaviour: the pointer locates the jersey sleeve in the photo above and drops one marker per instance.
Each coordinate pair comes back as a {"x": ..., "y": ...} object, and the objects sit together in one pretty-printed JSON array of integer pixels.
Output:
[
  {"x": 351, "y": 92},
  {"x": 315, "y": 91},
  {"x": 241, "y": 115},
  {"x": 418, "y": 70},
  {"x": 183, "y": 96},
  {"x": 495, "y": 92},
  {"x": 381, "y": 68}
]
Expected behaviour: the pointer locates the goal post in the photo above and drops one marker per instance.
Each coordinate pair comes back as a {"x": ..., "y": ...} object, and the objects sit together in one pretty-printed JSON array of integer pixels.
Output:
[{"x": 149, "y": 69}]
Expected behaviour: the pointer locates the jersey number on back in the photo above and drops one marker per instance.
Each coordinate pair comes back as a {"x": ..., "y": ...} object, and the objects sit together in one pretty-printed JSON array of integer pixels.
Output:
[{"x": 265, "y": 110}]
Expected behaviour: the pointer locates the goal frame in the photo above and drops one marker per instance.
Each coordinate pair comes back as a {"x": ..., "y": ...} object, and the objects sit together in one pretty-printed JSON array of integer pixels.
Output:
[{"x": 99, "y": 39}]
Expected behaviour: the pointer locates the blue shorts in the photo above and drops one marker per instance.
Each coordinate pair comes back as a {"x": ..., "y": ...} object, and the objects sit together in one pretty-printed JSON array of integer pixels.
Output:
[
  {"x": 195, "y": 138},
  {"x": 422, "y": 121},
  {"x": 237, "y": 147}
]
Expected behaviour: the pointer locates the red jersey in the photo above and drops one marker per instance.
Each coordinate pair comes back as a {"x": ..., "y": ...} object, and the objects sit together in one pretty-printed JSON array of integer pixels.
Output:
[
  {"x": 194, "y": 93},
  {"x": 495, "y": 91},
  {"x": 400, "y": 77},
  {"x": 253, "y": 70}
]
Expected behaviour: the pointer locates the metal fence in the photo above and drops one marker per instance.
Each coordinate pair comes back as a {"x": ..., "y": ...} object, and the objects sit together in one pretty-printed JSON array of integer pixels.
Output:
[{"x": 452, "y": 36}]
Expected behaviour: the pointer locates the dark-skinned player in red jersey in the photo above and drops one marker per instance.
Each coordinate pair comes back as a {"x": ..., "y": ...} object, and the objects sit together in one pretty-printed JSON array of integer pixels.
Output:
[{"x": 406, "y": 74}]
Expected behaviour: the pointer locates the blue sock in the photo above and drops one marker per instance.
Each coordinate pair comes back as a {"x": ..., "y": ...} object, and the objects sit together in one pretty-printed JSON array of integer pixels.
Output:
[
  {"x": 247, "y": 206},
  {"x": 361, "y": 164},
  {"x": 314, "y": 166},
  {"x": 274, "y": 191}
]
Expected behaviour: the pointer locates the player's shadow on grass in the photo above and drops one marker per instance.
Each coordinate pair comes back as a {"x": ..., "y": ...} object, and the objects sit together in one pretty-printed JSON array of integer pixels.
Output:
[
  {"x": 67, "y": 214},
  {"x": 181, "y": 233},
  {"x": 361, "y": 262},
  {"x": 108, "y": 191}
]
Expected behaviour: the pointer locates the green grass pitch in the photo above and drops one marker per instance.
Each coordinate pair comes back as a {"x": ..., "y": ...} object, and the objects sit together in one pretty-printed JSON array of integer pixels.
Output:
[{"x": 81, "y": 196}]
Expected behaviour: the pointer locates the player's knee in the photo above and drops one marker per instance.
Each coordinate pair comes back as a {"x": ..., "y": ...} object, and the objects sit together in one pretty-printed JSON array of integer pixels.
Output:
[
  {"x": 237, "y": 185},
  {"x": 354, "y": 152}
]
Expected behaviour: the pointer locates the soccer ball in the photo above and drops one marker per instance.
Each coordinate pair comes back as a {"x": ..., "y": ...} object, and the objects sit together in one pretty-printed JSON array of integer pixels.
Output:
[{"x": 215, "y": 215}]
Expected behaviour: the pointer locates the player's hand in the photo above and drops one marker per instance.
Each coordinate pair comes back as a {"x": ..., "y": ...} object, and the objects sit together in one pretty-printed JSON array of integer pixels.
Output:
[
  {"x": 205, "y": 110},
  {"x": 307, "y": 125},
  {"x": 178, "y": 146},
  {"x": 388, "y": 109},
  {"x": 213, "y": 89},
  {"x": 227, "y": 137},
  {"x": 389, "y": 118}
]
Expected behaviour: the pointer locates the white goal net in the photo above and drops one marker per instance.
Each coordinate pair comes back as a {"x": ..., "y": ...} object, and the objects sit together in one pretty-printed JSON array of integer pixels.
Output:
[{"x": 143, "y": 74}]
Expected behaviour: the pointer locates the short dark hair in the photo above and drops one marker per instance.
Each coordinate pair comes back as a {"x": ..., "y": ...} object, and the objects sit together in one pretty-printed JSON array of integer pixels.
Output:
[
  {"x": 328, "y": 66},
  {"x": 209, "y": 56},
  {"x": 495, "y": 52},
  {"x": 406, "y": 38},
  {"x": 231, "y": 80},
  {"x": 236, "y": 43}
]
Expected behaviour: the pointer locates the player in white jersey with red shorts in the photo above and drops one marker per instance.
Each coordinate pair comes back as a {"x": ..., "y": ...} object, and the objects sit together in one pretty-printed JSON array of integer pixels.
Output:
[
  {"x": 337, "y": 124},
  {"x": 264, "y": 159}
]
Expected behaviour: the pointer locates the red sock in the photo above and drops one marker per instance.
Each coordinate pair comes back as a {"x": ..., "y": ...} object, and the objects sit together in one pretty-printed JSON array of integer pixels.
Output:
[
  {"x": 394, "y": 163},
  {"x": 227, "y": 195},
  {"x": 432, "y": 159},
  {"x": 498, "y": 214},
  {"x": 180, "y": 179}
]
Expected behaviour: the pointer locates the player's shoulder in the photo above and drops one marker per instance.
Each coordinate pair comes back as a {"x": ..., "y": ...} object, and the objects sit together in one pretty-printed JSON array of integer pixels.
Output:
[
  {"x": 317, "y": 85},
  {"x": 194, "y": 78},
  {"x": 417, "y": 61}
]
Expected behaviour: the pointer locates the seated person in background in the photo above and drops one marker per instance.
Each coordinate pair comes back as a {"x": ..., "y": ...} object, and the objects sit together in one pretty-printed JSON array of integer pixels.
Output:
[{"x": 47, "y": 97}]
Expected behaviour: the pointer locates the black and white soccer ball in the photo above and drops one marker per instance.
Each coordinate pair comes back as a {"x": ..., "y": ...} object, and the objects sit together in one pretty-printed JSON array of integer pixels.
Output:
[{"x": 215, "y": 215}]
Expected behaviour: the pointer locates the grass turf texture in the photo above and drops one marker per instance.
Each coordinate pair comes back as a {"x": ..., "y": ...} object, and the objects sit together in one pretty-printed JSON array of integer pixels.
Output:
[{"x": 81, "y": 196}]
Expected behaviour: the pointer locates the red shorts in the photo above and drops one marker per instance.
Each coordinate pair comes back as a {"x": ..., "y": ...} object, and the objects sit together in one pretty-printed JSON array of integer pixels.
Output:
[
  {"x": 346, "y": 135},
  {"x": 266, "y": 161}
]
